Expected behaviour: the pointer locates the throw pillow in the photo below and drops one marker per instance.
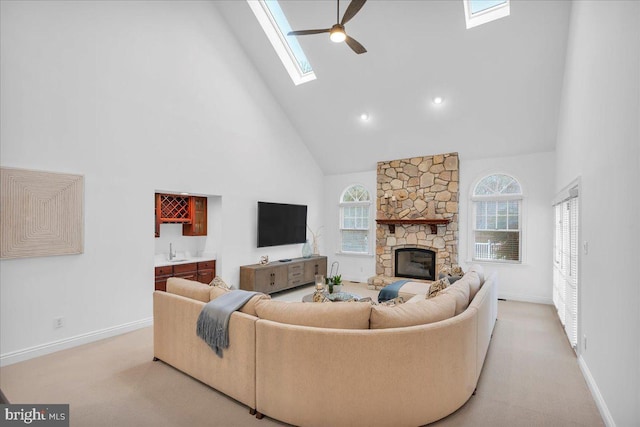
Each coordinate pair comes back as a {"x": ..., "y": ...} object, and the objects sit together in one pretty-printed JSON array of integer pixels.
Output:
[
  {"x": 452, "y": 279},
  {"x": 437, "y": 286},
  {"x": 392, "y": 302},
  {"x": 217, "y": 281},
  {"x": 456, "y": 270}
]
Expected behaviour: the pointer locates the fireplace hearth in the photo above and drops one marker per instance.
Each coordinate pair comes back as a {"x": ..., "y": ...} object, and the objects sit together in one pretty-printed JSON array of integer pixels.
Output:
[{"x": 415, "y": 263}]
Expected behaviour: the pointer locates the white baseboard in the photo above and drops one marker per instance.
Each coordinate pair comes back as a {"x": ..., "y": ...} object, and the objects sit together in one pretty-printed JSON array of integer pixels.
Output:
[
  {"x": 526, "y": 298},
  {"x": 595, "y": 392},
  {"x": 40, "y": 350}
]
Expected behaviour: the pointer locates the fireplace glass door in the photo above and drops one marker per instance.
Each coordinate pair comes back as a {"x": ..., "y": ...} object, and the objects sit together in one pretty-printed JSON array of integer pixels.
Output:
[{"x": 415, "y": 263}]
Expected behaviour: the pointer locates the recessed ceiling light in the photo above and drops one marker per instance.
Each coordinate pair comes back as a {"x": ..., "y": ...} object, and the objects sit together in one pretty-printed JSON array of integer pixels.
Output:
[
  {"x": 365, "y": 117},
  {"x": 438, "y": 100}
]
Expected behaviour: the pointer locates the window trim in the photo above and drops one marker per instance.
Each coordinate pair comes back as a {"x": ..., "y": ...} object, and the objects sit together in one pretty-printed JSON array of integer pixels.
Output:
[
  {"x": 486, "y": 15},
  {"x": 473, "y": 199},
  {"x": 341, "y": 206},
  {"x": 279, "y": 43}
]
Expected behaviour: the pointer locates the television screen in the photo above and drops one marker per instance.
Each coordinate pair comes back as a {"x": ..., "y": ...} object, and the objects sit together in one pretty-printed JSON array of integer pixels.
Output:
[{"x": 281, "y": 224}]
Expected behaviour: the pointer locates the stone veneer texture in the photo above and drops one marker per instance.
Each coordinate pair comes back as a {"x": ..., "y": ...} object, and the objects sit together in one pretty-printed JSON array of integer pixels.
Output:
[{"x": 417, "y": 188}]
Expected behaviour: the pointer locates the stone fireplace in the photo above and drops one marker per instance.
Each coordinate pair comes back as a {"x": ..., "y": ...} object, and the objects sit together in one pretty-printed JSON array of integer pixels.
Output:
[{"x": 417, "y": 208}]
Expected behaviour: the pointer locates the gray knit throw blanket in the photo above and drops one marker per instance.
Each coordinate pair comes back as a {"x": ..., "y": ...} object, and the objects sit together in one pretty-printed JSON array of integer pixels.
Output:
[{"x": 213, "y": 321}]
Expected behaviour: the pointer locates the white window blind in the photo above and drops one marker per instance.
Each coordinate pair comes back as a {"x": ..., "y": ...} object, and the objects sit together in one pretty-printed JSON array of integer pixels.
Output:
[
  {"x": 497, "y": 211},
  {"x": 565, "y": 268}
]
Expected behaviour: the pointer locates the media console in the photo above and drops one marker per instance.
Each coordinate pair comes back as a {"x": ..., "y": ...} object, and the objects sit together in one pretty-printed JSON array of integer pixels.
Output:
[{"x": 278, "y": 276}]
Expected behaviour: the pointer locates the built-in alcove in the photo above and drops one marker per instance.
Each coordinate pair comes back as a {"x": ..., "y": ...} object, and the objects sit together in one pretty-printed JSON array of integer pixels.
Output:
[{"x": 191, "y": 246}]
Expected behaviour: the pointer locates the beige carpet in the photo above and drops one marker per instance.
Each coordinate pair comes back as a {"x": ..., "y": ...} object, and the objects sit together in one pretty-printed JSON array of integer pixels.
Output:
[{"x": 530, "y": 378}]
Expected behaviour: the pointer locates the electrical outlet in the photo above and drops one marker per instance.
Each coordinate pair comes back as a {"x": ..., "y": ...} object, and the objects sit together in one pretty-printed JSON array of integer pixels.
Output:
[
  {"x": 58, "y": 322},
  {"x": 584, "y": 343},
  {"x": 585, "y": 247}
]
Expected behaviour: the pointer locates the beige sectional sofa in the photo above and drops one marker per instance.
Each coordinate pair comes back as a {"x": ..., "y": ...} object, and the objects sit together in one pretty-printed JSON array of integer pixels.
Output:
[{"x": 338, "y": 364}]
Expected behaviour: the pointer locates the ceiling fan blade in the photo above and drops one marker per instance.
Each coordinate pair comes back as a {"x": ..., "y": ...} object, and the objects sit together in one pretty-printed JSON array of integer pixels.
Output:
[
  {"x": 353, "y": 44},
  {"x": 305, "y": 32},
  {"x": 354, "y": 7}
]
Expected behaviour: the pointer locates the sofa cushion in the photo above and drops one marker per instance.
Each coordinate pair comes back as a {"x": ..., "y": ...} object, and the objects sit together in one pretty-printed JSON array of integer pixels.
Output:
[
  {"x": 412, "y": 288},
  {"x": 250, "y": 306},
  {"x": 417, "y": 312},
  {"x": 460, "y": 291},
  {"x": 216, "y": 291},
  {"x": 414, "y": 299},
  {"x": 479, "y": 270},
  {"x": 189, "y": 288},
  {"x": 335, "y": 315},
  {"x": 474, "y": 284}
]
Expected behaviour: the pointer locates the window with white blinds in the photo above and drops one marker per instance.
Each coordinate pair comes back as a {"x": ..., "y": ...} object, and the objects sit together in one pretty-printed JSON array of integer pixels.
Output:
[
  {"x": 355, "y": 226},
  {"x": 565, "y": 265},
  {"x": 497, "y": 206}
]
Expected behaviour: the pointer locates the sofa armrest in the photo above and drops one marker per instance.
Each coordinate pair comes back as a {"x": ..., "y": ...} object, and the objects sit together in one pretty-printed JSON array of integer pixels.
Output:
[{"x": 176, "y": 343}]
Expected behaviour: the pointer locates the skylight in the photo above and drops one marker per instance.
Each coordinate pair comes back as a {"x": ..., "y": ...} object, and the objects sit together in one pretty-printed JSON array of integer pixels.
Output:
[
  {"x": 275, "y": 25},
  {"x": 478, "y": 12}
]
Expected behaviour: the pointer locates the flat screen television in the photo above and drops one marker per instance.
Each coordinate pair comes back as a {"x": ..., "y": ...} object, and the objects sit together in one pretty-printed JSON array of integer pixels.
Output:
[{"x": 281, "y": 224}]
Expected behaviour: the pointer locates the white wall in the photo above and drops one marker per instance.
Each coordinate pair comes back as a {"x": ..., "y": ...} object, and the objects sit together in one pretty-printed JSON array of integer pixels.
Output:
[
  {"x": 136, "y": 96},
  {"x": 356, "y": 268},
  {"x": 599, "y": 141},
  {"x": 530, "y": 280}
]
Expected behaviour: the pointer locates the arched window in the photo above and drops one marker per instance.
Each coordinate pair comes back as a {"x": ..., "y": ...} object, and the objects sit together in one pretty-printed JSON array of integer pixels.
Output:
[
  {"x": 355, "y": 223},
  {"x": 497, "y": 231}
]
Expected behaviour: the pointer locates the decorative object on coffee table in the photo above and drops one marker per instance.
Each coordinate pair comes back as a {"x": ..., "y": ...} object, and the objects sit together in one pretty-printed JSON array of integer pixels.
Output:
[
  {"x": 334, "y": 281},
  {"x": 343, "y": 296},
  {"x": 334, "y": 297},
  {"x": 335, "y": 284},
  {"x": 318, "y": 296}
]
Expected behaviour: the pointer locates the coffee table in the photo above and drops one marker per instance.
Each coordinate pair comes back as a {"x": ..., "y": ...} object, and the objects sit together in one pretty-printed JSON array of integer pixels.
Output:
[{"x": 338, "y": 297}]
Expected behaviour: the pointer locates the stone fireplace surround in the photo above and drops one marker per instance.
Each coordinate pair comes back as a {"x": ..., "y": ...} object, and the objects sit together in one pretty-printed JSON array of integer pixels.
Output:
[{"x": 416, "y": 188}]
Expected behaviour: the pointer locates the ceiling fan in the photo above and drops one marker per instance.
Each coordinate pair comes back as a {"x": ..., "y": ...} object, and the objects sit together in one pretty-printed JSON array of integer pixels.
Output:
[{"x": 337, "y": 33}]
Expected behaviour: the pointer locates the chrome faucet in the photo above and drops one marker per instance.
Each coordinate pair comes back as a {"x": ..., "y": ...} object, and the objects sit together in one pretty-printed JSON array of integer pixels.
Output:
[{"x": 171, "y": 254}]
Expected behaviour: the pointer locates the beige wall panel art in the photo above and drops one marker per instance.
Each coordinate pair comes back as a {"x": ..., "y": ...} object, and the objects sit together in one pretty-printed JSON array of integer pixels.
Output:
[{"x": 42, "y": 213}]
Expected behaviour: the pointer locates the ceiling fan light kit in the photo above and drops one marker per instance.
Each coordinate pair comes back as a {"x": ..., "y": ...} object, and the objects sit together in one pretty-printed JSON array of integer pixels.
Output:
[{"x": 337, "y": 33}]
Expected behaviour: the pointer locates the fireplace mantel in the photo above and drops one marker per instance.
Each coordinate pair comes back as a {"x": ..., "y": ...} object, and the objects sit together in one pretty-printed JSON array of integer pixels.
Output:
[{"x": 433, "y": 223}]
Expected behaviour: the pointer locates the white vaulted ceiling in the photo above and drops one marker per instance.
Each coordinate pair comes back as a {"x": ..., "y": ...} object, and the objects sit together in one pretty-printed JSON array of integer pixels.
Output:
[{"x": 501, "y": 81}]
